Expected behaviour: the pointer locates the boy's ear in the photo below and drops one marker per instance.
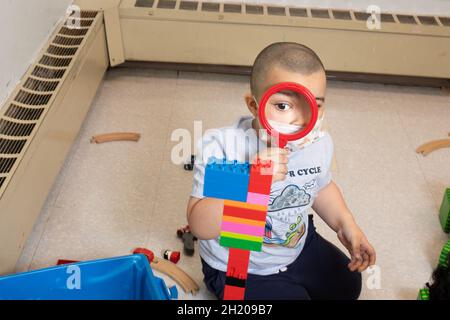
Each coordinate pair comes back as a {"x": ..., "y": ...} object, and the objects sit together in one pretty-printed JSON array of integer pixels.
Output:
[{"x": 251, "y": 104}]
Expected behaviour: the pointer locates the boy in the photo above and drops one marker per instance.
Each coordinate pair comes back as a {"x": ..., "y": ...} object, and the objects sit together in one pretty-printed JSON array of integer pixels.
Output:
[{"x": 295, "y": 261}]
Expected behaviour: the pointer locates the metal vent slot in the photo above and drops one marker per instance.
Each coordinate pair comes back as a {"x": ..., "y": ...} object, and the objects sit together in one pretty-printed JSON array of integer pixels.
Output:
[
  {"x": 46, "y": 73},
  {"x": 210, "y": 6},
  {"x": 144, "y": 3},
  {"x": 11, "y": 146},
  {"x": 445, "y": 21},
  {"x": 232, "y": 8},
  {"x": 81, "y": 22},
  {"x": 67, "y": 41},
  {"x": 61, "y": 51},
  {"x": 298, "y": 12},
  {"x": 188, "y": 5},
  {"x": 15, "y": 129},
  {"x": 427, "y": 21},
  {"x": 276, "y": 11},
  {"x": 73, "y": 32},
  {"x": 320, "y": 13},
  {"x": 21, "y": 113},
  {"x": 386, "y": 17},
  {"x": 32, "y": 99},
  {"x": 406, "y": 19},
  {"x": 251, "y": 9},
  {"x": 6, "y": 164},
  {"x": 2, "y": 180},
  {"x": 342, "y": 15},
  {"x": 88, "y": 14},
  {"x": 40, "y": 85},
  {"x": 55, "y": 62},
  {"x": 166, "y": 4},
  {"x": 362, "y": 16}
]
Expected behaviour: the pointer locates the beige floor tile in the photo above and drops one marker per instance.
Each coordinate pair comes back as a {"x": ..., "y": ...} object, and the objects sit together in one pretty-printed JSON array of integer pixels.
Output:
[{"x": 79, "y": 234}]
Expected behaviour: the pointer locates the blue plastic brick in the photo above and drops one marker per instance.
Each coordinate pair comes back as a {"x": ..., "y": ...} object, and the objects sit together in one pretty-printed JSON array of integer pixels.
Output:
[{"x": 226, "y": 180}]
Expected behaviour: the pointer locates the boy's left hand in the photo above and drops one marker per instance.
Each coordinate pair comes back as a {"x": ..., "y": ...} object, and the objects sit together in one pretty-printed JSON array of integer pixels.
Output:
[{"x": 361, "y": 251}]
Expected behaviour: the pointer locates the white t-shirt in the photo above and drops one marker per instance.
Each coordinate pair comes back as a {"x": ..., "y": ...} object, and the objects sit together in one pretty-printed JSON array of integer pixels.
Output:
[{"x": 290, "y": 200}]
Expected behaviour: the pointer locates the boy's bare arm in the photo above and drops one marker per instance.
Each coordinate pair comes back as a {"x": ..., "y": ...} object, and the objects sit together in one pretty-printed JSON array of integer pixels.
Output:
[
  {"x": 330, "y": 206},
  {"x": 205, "y": 217}
]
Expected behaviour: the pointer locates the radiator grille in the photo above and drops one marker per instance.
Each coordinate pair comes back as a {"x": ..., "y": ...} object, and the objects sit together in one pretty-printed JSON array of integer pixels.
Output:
[
  {"x": 24, "y": 111},
  {"x": 295, "y": 12}
]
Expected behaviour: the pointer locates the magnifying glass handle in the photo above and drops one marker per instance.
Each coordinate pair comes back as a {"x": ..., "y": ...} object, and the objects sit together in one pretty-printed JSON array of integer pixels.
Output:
[{"x": 282, "y": 143}]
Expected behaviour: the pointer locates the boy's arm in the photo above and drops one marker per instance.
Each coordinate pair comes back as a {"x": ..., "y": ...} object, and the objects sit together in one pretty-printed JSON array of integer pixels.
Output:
[
  {"x": 330, "y": 206},
  {"x": 205, "y": 217}
]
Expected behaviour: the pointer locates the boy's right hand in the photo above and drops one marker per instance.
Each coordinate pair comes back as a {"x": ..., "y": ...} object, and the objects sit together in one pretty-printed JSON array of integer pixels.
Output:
[{"x": 279, "y": 158}]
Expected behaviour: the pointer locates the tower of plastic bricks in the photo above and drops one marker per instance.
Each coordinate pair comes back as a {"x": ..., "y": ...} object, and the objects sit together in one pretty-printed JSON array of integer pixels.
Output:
[{"x": 245, "y": 189}]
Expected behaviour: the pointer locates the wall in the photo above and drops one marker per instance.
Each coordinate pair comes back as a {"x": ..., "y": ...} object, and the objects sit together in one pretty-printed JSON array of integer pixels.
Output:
[{"x": 25, "y": 25}]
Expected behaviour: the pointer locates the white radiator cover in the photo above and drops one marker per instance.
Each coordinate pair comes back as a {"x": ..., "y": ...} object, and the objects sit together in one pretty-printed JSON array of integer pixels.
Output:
[
  {"x": 39, "y": 123},
  {"x": 233, "y": 34}
]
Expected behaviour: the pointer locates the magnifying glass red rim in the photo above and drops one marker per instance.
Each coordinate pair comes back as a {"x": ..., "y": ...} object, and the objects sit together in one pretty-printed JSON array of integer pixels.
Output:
[{"x": 291, "y": 86}]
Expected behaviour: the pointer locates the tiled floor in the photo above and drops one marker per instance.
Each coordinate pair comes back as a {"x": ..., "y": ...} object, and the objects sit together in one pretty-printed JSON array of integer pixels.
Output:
[{"x": 113, "y": 197}]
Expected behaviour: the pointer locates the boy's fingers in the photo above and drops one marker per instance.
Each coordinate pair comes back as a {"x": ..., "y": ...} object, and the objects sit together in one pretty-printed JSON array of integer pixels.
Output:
[
  {"x": 356, "y": 251},
  {"x": 370, "y": 251},
  {"x": 279, "y": 168},
  {"x": 365, "y": 263},
  {"x": 282, "y": 168},
  {"x": 356, "y": 257},
  {"x": 353, "y": 265},
  {"x": 372, "y": 254},
  {"x": 278, "y": 177},
  {"x": 277, "y": 151},
  {"x": 283, "y": 159}
]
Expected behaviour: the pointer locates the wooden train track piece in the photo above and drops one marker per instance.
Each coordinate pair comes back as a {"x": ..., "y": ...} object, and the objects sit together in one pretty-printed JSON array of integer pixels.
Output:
[
  {"x": 116, "y": 136},
  {"x": 426, "y": 148},
  {"x": 170, "y": 269}
]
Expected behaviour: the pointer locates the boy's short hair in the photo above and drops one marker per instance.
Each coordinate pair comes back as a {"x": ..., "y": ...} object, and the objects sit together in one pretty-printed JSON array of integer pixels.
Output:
[{"x": 290, "y": 56}]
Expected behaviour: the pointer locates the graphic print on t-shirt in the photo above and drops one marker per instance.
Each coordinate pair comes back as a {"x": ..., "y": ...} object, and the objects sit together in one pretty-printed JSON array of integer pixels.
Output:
[{"x": 284, "y": 222}]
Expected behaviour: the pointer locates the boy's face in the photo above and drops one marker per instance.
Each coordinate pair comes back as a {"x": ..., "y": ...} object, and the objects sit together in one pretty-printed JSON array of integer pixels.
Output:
[{"x": 289, "y": 107}]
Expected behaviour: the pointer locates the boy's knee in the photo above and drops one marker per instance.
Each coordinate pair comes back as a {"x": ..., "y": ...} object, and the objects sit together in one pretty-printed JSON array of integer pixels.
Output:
[{"x": 354, "y": 287}]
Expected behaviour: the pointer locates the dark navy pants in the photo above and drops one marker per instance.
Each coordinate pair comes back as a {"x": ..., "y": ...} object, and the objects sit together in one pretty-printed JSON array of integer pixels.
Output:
[{"x": 319, "y": 272}]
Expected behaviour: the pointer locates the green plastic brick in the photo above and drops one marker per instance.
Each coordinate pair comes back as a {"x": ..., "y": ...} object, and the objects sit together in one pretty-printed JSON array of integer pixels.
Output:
[
  {"x": 424, "y": 294},
  {"x": 240, "y": 244},
  {"x": 444, "y": 212},
  {"x": 443, "y": 258}
]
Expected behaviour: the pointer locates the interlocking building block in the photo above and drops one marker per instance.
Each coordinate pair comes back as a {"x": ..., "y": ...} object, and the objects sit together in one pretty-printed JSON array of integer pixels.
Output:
[
  {"x": 444, "y": 212},
  {"x": 260, "y": 179},
  {"x": 236, "y": 276},
  {"x": 443, "y": 258},
  {"x": 424, "y": 294},
  {"x": 226, "y": 180},
  {"x": 243, "y": 225}
]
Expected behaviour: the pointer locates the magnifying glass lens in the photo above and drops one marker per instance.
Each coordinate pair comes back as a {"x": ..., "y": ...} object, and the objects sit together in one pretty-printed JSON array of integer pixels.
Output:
[{"x": 288, "y": 112}]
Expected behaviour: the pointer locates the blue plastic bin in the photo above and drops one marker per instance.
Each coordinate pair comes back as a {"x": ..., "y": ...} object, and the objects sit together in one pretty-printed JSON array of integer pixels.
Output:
[{"x": 120, "y": 278}]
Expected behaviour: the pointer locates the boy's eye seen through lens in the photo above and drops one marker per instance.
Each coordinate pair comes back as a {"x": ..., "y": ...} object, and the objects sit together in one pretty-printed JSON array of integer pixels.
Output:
[{"x": 282, "y": 106}]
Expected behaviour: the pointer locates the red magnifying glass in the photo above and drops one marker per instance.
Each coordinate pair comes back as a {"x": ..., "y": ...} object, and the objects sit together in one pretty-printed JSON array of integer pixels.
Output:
[{"x": 289, "y": 107}]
